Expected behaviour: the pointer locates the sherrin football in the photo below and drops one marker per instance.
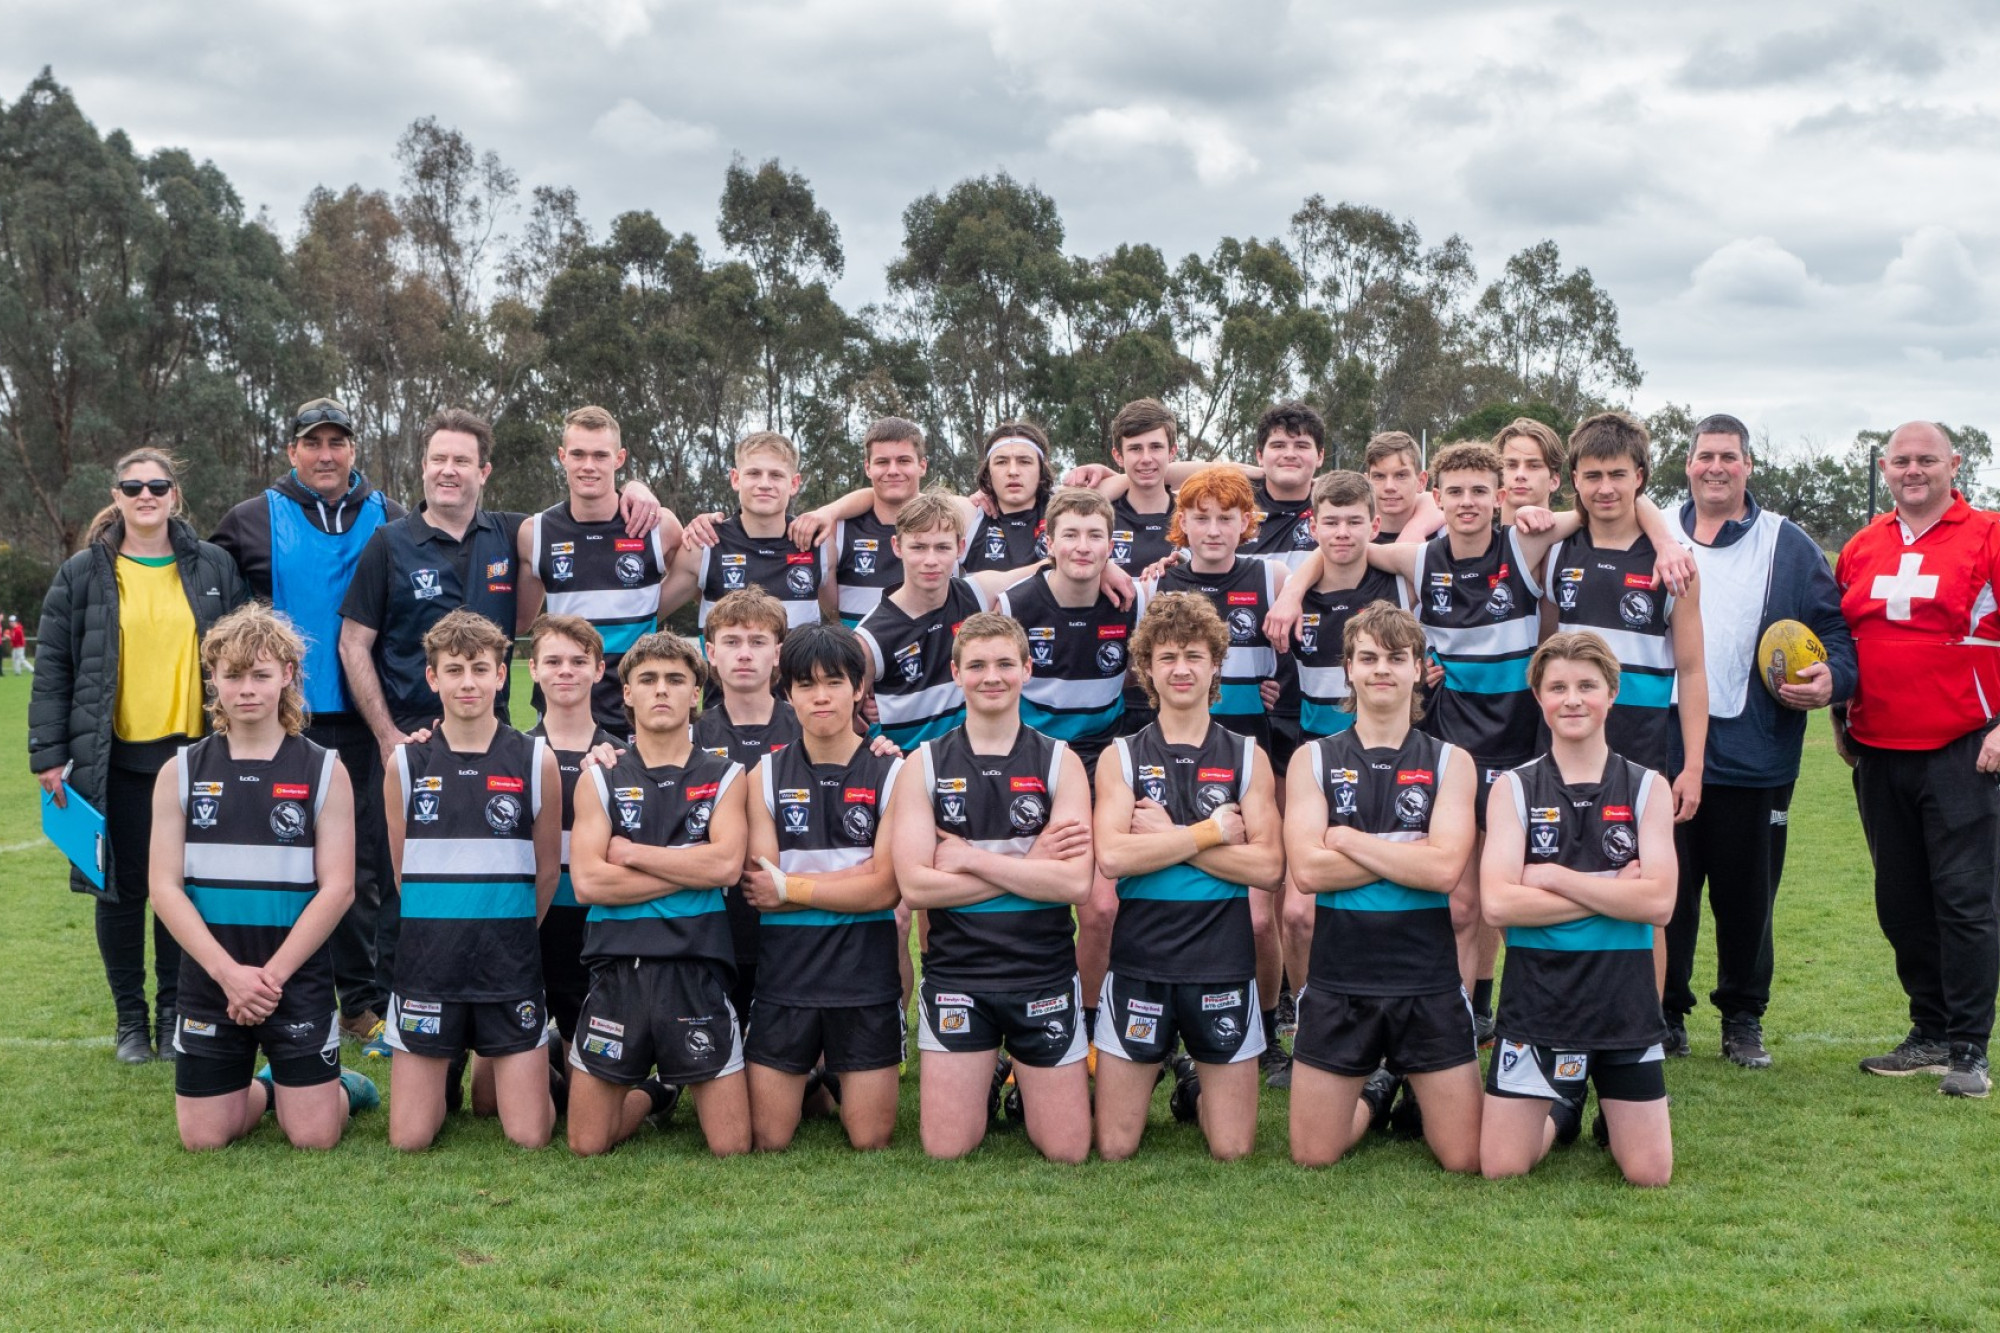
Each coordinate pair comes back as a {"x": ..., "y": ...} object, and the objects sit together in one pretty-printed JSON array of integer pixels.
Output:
[{"x": 1787, "y": 648}]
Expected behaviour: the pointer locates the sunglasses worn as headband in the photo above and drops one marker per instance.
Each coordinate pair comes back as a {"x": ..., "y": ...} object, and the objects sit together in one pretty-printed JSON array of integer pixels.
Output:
[
  {"x": 158, "y": 486},
  {"x": 322, "y": 416}
]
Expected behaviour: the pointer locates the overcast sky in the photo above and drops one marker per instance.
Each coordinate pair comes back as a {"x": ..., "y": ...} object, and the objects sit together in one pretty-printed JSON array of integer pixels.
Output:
[{"x": 1794, "y": 205}]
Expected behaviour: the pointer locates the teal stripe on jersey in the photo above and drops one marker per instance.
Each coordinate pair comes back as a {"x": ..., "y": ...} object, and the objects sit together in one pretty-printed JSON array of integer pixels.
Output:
[
  {"x": 1641, "y": 689},
  {"x": 1239, "y": 699},
  {"x": 1006, "y": 902},
  {"x": 1509, "y": 675},
  {"x": 565, "y": 892},
  {"x": 1319, "y": 719},
  {"x": 1593, "y": 934},
  {"x": 688, "y": 902},
  {"x": 1181, "y": 883},
  {"x": 1068, "y": 726},
  {"x": 817, "y": 916},
  {"x": 1383, "y": 896},
  {"x": 249, "y": 907},
  {"x": 909, "y": 737},
  {"x": 620, "y": 638},
  {"x": 469, "y": 900}
]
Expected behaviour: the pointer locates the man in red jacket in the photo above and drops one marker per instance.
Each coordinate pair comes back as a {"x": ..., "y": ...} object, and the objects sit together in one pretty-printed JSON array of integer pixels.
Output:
[{"x": 1918, "y": 588}]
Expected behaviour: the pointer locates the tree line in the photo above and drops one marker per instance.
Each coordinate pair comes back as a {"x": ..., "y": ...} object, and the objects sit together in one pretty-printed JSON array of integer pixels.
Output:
[{"x": 142, "y": 304}]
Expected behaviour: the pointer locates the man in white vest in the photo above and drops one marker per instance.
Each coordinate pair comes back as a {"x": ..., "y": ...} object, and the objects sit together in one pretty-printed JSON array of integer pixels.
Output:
[{"x": 1756, "y": 568}]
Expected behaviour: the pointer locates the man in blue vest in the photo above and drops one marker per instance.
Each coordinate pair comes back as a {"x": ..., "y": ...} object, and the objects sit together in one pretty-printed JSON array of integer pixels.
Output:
[{"x": 296, "y": 545}]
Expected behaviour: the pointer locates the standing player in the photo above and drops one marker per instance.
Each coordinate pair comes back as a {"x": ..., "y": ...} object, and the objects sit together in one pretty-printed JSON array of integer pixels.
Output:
[
  {"x": 862, "y": 551},
  {"x": 1078, "y": 640},
  {"x": 1016, "y": 479},
  {"x": 252, "y": 867},
  {"x": 1187, "y": 821},
  {"x": 590, "y": 566},
  {"x": 1578, "y": 869},
  {"x": 1917, "y": 589},
  {"x": 658, "y": 836},
  {"x": 994, "y": 842},
  {"x": 1378, "y": 830},
  {"x": 753, "y": 548},
  {"x": 1144, "y": 440},
  {"x": 1394, "y": 465},
  {"x": 477, "y": 851},
  {"x": 1532, "y": 459},
  {"x": 829, "y": 985},
  {"x": 566, "y": 661},
  {"x": 1214, "y": 518}
]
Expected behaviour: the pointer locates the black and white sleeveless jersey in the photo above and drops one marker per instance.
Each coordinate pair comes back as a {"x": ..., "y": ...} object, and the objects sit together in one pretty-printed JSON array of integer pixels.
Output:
[
  {"x": 1079, "y": 656},
  {"x": 569, "y": 763},
  {"x": 915, "y": 696},
  {"x": 1322, "y": 624},
  {"x": 738, "y": 560},
  {"x": 827, "y": 818},
  {"x": 1483, "y": 623},
  {"x": 999, "y": 803},
  {"x": 744, "y": 743},
  {"x": 596, "y": 571},
  {"x": 1242, "y": 597},
  {"x": 1284, "y": 528},
  {"x": 1382, "y": 938},
  {"x": 1007, "y": 542},
  {"x": 248, "y": 863},
  {"x": 1138, "y": 540},
  {"x": 865, "y": 564},
  {"x": 1611, "y": 594},
  {"x": 469, "y": 869},
  {"x": 1583, "y": 985},
  {"x": 1182, "y": 924},
  {"x": 663, "y": 807}
]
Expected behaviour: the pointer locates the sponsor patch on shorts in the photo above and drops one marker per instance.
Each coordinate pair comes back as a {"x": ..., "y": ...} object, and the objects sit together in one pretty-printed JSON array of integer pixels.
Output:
[
  {"x": 953, "y": 1019},
  {"x": 193, "y": 1028},
  {"x": 962, "y": 1001},
  {"x": 604, "y": 1046},
  {"x": 422, "y": 1025},
  {"x": 1570, "y": 1066},
  {"x": 1144, "y": 1007},
  {"x": 607, "y": 1027},
  {"x": 1140, "y": 1028},
  {"x": 1054, "y": 1004},
  {"x": 1228, "y": 999},
  {"x": 420, "y": 1006}
]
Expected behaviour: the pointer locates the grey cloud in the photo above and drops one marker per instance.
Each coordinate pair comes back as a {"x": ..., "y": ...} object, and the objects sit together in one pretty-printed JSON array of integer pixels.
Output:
[
  {"x": 1865, "y": 41},
  {"x": 1908, "y": 126}
]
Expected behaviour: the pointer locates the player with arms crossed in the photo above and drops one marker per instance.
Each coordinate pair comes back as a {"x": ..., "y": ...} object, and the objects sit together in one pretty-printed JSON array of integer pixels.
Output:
[
  {"x": 1187, "y": 824},
  {"x": 828, "y": 984},
  {"x": 658, "y": 836},
  {"x": 252, "y": 865},
  {"x": 994, "y": 842},
  {"x": 1578, "y": 869},
  {"x": 477, "y": 850},
  {"x": 1378, "y": 828}
]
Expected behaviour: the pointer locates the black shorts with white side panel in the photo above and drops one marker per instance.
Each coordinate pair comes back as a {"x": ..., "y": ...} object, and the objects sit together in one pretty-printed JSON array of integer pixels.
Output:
[
  {"x": 1352, "y": 1035},
  {"x": 1521, "y": 1070},
  {"x": 216, "y": 1056},
  {"x": 1139, "y": 1020},
  {"x": 1041, "y": 1029},
  {"x": 648, "y": 1013},
  {"x": 443, "y": 1029},
  {"x": 792, "y": 1038}
]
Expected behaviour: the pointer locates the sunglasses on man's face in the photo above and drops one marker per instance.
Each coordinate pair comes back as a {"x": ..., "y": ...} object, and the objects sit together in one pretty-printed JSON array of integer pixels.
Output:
[
  {"x": 132, "y": 489},
  {"x": 322, "y": 416}
]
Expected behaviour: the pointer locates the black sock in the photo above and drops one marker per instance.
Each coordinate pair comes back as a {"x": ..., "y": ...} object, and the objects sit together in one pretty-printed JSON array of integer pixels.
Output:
[
  {"x": 1482, "y": 995},
  {"x": 1271, "y": 1026},
  {"x": 1090, "y": 1024}
]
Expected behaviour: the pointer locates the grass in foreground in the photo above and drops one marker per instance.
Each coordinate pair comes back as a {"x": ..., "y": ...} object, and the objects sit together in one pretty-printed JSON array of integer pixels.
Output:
[{"x": 1803, "y": 1196}]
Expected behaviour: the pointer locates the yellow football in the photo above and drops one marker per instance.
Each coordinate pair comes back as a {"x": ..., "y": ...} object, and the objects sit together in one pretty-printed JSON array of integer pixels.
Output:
[{"x": 1787, "y": 648}]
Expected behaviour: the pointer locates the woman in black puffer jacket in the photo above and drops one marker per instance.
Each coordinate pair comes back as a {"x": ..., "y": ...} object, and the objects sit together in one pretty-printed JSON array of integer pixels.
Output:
[{"x": 107, "y": 724}]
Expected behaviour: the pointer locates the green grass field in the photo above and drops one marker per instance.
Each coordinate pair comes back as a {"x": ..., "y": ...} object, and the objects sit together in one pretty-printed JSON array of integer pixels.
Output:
[{"x": 1809, "y": 1195}]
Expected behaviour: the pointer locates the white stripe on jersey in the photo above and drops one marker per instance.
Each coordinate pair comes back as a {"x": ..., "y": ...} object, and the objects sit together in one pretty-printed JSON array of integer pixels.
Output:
[
  {"x": 252, "y": 864},
  {"x": 468, "y": 856}
]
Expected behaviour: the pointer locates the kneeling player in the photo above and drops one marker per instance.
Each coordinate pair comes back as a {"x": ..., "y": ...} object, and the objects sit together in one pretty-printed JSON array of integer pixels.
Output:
[
  {"x": 1187, "y": 824},
  {"x": 994, "y": 841},
  {"x": 252, "y": 867},
  {"x": 1579, "y": 868},
  {"x": 827, "y": 981},
  {"x": 475, "y": 834},
  {"x": 657, "y": 836},
  {"x": 1378, "y": 827}
]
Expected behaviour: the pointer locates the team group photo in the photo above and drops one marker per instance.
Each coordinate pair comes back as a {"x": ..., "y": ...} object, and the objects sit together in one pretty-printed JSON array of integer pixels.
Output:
[{"x": 595, "y": 783}]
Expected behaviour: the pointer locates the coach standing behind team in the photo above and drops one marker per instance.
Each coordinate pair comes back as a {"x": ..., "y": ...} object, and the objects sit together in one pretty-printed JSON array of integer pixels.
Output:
[
  {"x": 1917, "y": 588},
  {"x": 1756, "y": 568},
  {"x": 296, "y": 545}
]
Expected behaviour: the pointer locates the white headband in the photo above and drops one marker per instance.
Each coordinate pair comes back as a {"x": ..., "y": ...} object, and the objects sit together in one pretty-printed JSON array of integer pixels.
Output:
[{"x": 1014, "y": 439}]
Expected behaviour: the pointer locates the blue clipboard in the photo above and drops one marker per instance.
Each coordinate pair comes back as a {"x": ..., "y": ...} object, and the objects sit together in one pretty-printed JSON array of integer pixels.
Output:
[{"x": 77, "y": 830}]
